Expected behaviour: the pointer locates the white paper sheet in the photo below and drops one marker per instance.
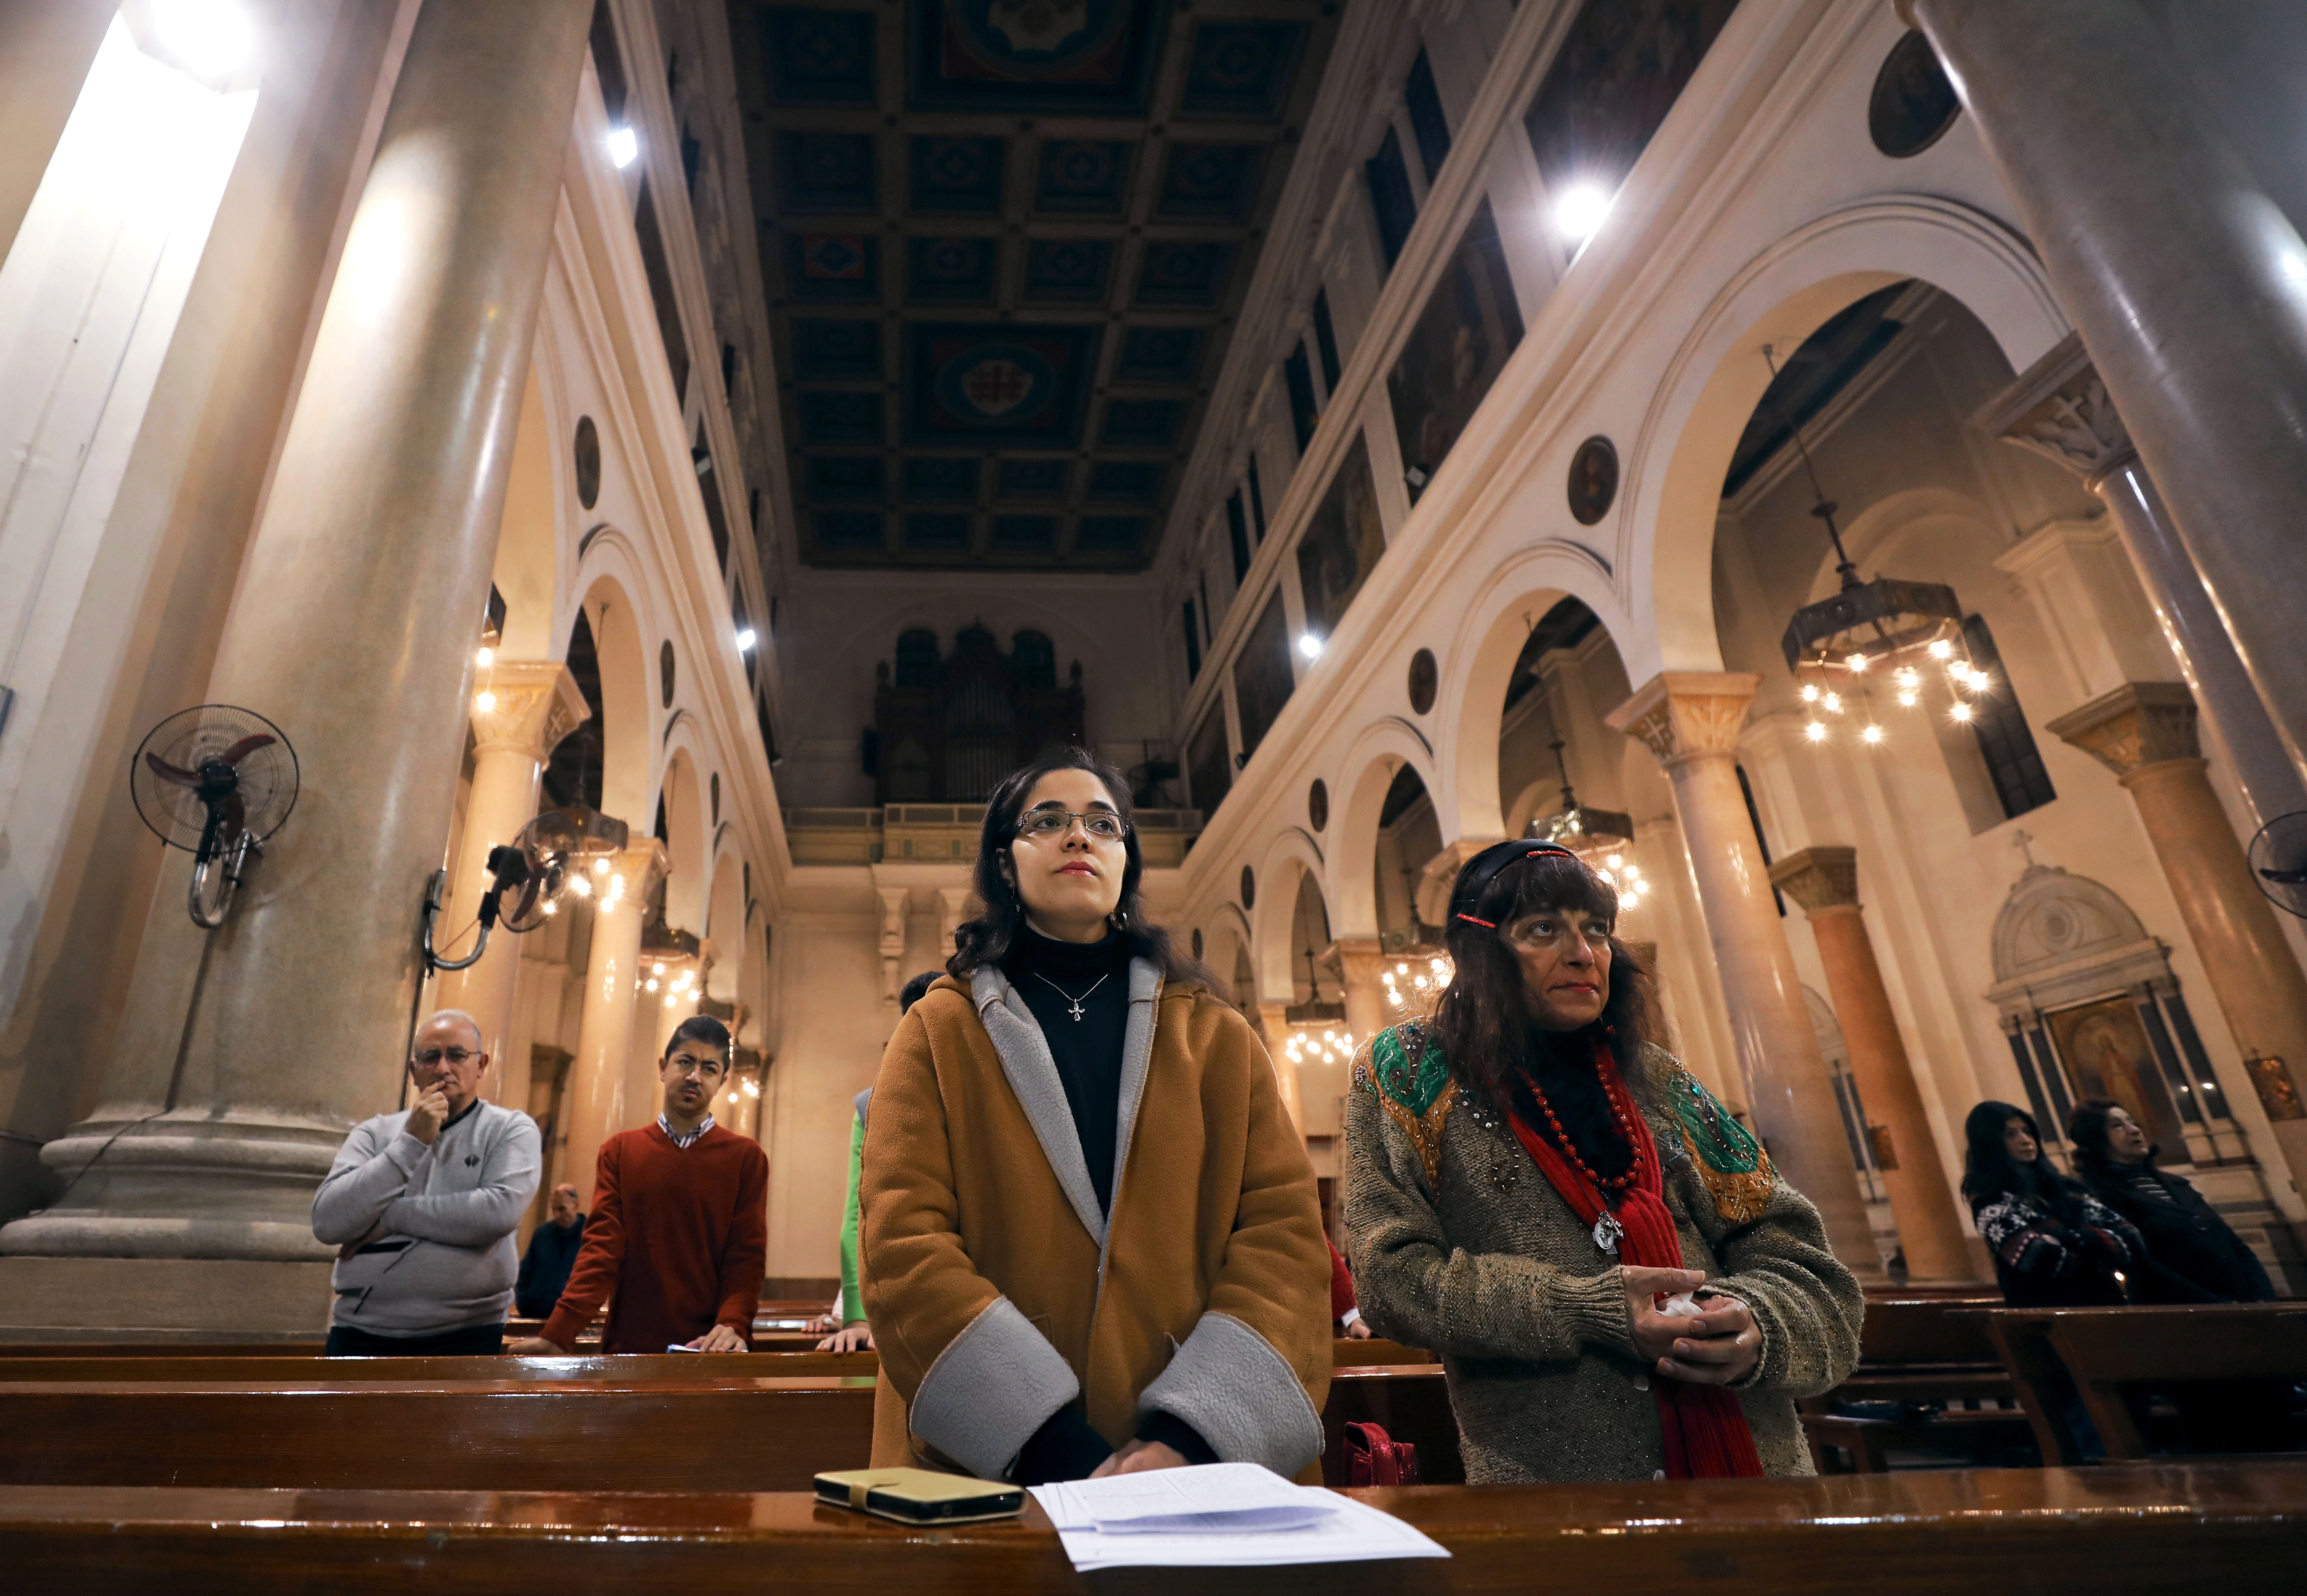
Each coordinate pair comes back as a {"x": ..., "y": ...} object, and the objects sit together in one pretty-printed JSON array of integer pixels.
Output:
[{"x": 1219, "y": 1516}]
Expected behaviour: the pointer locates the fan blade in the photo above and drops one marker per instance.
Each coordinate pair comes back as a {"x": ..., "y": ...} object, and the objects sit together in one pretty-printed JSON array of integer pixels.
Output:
[
  {"x": 247, "y": 746},
  {"x": 170, "y": 773},
  {"x": 2285, "y": 877}
]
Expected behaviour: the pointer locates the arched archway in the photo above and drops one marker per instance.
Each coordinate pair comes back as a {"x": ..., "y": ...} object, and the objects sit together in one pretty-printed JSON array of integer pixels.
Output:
[
  {"x": 1675, "y": 472},
  {"x": 1290, "y": 858},
  {"x": 686, "y": 839},
  {"x": 1373, "y": 765},
  {"x": 724, "y": 927},
  {"x": 622, "y": 717}
]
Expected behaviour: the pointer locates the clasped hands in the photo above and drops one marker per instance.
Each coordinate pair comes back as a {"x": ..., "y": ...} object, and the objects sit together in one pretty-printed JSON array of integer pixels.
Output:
[{"x": 1713, "y": 1348}]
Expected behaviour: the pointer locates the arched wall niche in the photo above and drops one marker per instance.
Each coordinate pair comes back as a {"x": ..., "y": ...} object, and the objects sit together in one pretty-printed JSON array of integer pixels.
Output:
[{"x": 1673, "y": 484}]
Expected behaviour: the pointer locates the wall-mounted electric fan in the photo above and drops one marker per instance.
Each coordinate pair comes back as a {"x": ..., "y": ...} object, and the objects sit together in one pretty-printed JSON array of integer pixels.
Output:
[
  {"x": 216, "y": 781},
  {"x": 527, "y": 875},
  {"x": 2279, "y": 862}
]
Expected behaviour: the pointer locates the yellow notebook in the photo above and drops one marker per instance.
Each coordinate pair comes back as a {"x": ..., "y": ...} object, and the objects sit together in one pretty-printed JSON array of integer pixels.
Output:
[{"x": 920, "y": 1495}]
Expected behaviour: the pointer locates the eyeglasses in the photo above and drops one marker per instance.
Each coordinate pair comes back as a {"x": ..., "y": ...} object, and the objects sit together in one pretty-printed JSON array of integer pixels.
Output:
[
  {"x": 1047, "y": 825},
  {"x": 1555, "y": 931},
  {"x": 702, "y": 1068},
  {"x": 457, "y": 1058}
]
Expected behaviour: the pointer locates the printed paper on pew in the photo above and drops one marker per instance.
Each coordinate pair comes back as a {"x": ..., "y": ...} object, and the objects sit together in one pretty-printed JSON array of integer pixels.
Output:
[
  {"x": 1214, "y": 1498},
  {"x": 1219, "y": 1516}
]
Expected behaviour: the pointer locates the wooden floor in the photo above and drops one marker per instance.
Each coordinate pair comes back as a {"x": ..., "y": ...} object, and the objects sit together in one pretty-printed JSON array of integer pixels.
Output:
[{"x": 2109, "y": 1531}]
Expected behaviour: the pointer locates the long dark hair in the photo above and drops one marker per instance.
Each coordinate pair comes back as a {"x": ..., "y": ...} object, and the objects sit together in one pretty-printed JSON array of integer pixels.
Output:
[
  {"x": 1988, "y": 1169},
  {"x": 2087, "y": 1134},
  {"x": 986, "y": 940},
  {"x": 1483, "y": 1018}
]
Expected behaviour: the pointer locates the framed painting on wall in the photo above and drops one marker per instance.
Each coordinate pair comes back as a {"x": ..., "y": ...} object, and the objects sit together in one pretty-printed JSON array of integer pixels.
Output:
[{"x": 2104, "y": 1049}]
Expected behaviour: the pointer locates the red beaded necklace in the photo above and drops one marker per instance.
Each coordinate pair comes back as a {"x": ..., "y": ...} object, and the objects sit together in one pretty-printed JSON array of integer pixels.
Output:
[{"x": 1569, "y": 1149}]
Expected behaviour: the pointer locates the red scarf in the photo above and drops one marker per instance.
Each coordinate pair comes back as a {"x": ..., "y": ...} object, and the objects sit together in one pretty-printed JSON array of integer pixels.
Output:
[{"x": 1702, "y": 1428}]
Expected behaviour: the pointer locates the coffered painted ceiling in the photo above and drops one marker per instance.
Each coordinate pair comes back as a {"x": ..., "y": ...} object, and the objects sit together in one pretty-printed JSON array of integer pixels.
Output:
[{"x": 1004, "y": 244}]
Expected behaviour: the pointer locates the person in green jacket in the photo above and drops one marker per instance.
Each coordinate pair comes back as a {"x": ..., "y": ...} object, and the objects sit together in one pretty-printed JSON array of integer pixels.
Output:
[{"x": 850, "y": 1333}]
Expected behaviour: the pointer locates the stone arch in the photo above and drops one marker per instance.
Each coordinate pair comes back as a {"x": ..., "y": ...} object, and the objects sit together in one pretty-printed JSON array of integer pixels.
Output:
[
  {"x": 724, "y": 927},
  {"x": 1226, "y": 944},
  {"x": 1480, "y": 663},
  {"x": 528, "y": 565},
  {"x": 688, "y": 840},
  {"x": 628, "y": 751},
  {"x": 1381, "y": 751},
  {"x": 1289, "y": 857},
  {"x": 1673, "y": 474}
]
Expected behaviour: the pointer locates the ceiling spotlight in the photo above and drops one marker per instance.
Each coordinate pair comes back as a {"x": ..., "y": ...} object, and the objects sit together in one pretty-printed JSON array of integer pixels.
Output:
[
  {"x": 745, "y": 640},
  {"x": 210, "y": 37},
  {"x": 624, "y": 144},
  {"x": 1580, "y": 211},
  {"x": 1310, "y": 646}
]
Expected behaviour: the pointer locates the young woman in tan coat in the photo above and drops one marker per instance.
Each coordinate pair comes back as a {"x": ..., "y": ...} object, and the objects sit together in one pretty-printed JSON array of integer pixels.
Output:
[{"x": 1091, "y": 1238}]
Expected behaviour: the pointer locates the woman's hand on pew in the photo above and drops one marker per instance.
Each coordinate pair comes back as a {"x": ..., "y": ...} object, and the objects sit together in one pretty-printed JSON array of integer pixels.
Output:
[
  {"x": 720, "y": 1339},
  {"x": 850, "y": 1338},
  {"x": 535, "y": 1346},
  {"x": 1718, "y": 1347}
]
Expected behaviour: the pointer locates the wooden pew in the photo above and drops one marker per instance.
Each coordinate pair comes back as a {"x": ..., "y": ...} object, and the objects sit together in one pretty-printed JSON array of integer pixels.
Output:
[
  {"x": 2159, "y": 1528},
  {"x": 2115, "y": 1355},
  {"x": 627, "y": 1369},
  {"x": 1925, "y": 1355},
  {"x": 557, "y": 1435}
]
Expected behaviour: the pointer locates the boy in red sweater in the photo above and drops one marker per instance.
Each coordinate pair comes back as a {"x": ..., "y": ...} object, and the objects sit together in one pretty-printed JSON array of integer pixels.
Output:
[{"x": 679, "y": 1231}]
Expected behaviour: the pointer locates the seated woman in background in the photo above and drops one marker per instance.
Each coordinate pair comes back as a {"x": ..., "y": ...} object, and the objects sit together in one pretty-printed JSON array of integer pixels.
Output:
[
  {"x": 1534, "y": 1189},
  {"x": 1093, "y": 1242},
  {"x": 2191, "y": 1254},
  {"x": 2054, "y": 1244}
]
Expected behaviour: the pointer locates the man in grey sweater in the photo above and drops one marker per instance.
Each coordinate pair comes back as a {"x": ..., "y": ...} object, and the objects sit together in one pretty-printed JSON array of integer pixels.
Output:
[{"x": 422, "y": 1207}]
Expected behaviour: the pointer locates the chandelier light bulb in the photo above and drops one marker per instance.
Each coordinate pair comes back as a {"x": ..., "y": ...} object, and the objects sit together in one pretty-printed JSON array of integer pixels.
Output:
[
  {"x": 1834, "y": 703},
  {"x": 1979, "y": 681},
  {"x": 1942, "y": 650},
  {"x": 1907, "y": 697},
  {"x": 1809, "y": 692},
  {"x": 1871, "y": 735},
  {"x": 1961, "y": 712},
  {"x": 552, "y": 906},
  {"x": 1815, "y": 730},
  {"x": 600, "y": 867},
  {"x": 484, "y": 701},
  {"x": 1856, "y": 662},
  {"x": 581, "y": 886},
  {"x": 486, "y": 658}
]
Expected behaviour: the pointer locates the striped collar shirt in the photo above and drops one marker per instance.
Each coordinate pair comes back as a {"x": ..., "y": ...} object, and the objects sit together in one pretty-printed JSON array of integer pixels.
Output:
[{"x": 684, "y": 1138}]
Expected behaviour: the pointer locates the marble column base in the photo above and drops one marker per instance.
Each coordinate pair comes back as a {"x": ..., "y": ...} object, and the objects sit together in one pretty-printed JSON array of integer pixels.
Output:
[
  {"x": 181, "y": 1185},
  {"x": 161, "y": 1299}
]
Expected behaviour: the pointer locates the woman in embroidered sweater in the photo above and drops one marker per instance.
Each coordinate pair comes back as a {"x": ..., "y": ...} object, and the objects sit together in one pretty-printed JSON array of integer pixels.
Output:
[
  {"x": 1618, "y": 1283},
  {"x": 2054, "y": 1244},
  {"x": 1092, "y": 1238}
]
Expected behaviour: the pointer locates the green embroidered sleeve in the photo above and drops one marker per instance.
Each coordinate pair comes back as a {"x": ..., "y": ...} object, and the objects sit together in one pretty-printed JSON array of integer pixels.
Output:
[
  {"x": 1411, "y": 1079},
  {"x": 1731, "y": 1163}
]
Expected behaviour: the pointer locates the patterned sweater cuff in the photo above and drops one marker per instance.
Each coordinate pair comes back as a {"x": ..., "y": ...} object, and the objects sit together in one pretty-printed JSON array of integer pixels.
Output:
[{"x": 1594, "y": 1312}]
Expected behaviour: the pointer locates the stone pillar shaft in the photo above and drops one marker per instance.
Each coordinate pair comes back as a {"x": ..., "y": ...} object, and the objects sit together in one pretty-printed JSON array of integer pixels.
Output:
[
  {"x": 1690, "y": 721},
  {"x": 2145, "y": 733},
  {"x": 2187, "y": 282},
  {"x": 1824, "y": 880},
  {"x": 1360, "y": 961},
  {"x": 593, "y": 1105},
  {"x": 353, "y": 629},
  {"x": 532, "y": 705}
]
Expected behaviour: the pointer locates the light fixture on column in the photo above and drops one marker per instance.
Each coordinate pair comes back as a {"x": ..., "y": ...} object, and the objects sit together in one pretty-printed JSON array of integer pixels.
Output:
[{"x": 1891, "y": 637}]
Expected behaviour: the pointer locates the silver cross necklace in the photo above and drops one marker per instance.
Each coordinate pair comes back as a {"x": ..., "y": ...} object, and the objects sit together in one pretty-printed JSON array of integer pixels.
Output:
[{"x": 1075, "y": 1003}]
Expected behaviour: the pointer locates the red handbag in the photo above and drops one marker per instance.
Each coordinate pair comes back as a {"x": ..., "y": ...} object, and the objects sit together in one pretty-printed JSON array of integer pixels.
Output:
[{"x": 1373, "y": 1457}]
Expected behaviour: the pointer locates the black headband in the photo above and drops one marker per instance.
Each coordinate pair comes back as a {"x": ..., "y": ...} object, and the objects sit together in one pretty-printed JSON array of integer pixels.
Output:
[{"x": 1485, "y": 868}]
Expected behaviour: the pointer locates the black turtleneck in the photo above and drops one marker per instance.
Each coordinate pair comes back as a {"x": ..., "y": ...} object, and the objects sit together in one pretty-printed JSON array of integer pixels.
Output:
[
  {"x": 1053, "y": 976},
  {"x": 1562, "y": 1062}
]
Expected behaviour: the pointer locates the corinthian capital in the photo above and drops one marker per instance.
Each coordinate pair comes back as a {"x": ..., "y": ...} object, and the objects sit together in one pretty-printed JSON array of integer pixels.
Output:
[
  {"x": 2058, "y": 409},
  {"x": 2139, "y": 723},
  {"x": 525, "y": 705},
  {"x": 1682, "y": 715},
  {"x": 1819, "y": 877}
]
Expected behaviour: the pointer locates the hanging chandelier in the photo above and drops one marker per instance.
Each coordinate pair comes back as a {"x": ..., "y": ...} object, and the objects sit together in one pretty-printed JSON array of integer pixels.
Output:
[
  {"x": 1887, "y": 640},
  {"x": 1419, "y": 984},
  {"x": 1598, "y": 836}
]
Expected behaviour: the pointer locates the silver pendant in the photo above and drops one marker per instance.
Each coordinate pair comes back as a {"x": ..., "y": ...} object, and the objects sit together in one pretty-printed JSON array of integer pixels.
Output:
[{"x": 1607, "y": 1232}]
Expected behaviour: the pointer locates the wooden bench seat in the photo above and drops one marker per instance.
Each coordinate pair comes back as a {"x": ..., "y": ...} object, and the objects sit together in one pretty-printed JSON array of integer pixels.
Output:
[
  {"x": 560, "y": 1435},
  {"x": 2157, "y": 1528},
  {"x": 1937, "y": 1369}
]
